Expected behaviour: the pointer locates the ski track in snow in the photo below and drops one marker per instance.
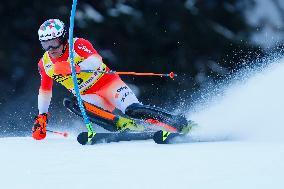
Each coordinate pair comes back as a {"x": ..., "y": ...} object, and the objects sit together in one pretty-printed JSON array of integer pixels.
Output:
[{"x": 246, "y": 125}]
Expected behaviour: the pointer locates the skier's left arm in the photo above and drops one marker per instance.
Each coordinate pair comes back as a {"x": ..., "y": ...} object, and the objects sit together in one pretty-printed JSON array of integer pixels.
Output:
[{"x": 86, "y": 50}]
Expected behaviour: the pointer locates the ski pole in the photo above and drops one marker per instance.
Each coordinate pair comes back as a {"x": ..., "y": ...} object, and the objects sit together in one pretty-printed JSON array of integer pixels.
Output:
[
  {"x": 88, "y": 124},
  {"x": 65, "y": 134},
  {"x": 171, "y": 74}
]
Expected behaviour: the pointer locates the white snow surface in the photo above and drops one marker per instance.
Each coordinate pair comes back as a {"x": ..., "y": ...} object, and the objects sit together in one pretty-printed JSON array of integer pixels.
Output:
[{"x": 246, "y": 124}]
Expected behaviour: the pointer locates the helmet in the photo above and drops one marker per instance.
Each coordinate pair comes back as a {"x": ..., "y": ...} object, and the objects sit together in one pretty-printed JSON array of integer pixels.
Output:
[{"x": 51, "y": 29}]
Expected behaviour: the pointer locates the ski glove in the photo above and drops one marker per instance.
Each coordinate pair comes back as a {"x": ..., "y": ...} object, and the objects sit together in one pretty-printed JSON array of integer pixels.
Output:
[
  {"x": 39, "y": 128},
  {"x": 63, "y": 68}
]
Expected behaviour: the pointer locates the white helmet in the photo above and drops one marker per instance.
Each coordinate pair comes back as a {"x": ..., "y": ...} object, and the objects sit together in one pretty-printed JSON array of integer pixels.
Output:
[{"x": 51, "y": 29}]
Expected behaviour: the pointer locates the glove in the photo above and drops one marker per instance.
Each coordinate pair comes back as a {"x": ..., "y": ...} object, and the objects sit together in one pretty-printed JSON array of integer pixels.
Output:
[
  {"x": 63, "y": 68},
  {"x": 39, "y": 128}
]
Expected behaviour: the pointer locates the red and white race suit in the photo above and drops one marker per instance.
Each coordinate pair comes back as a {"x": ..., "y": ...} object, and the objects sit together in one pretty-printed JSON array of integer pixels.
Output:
[{"x": 107, "y": 91}]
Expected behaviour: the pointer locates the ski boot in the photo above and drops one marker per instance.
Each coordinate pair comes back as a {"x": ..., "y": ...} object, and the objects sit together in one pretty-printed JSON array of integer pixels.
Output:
[
  {"x": 125, "y": 125},
  {"x": 189, "y": 127}
]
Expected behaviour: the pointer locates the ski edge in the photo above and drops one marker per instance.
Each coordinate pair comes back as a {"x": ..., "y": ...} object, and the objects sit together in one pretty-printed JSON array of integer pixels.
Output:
[{"x": 98, "y": 138}]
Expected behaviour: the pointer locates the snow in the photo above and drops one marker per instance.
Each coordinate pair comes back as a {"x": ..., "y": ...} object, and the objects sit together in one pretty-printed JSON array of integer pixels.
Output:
[
  {"x": 123, "y": 9},
  {"x": 93, "y": 14},
  {"x": 249, "y": 116},
  {"x": 223, "y": 31},
  {"x": 190, "y": 5},
  {"x": 267, "y": 16},
  {"x": 251, "y": 109},
  {"x": 90, "y": 13},
  {"x": 64, "y": 164}
]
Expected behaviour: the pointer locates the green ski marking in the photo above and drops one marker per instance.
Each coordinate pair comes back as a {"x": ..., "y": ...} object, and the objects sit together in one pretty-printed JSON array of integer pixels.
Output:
[
  {"x": 165, "y": 135},
  {"x": 91, "y": 132},
  {"x": 91, "y": 135}
]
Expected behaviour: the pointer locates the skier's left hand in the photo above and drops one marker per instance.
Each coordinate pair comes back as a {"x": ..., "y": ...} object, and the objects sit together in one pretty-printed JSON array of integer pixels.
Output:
[{"x": 63, "y": 68}]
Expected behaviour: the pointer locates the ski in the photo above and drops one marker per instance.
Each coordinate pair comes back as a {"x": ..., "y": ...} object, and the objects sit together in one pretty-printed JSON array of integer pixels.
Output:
[
  {"x": 165, "y": 137},
  {"x": 166, "y": 134},
  {"x": 159, "y": 137},
  {"x": 86, "y": 138}
]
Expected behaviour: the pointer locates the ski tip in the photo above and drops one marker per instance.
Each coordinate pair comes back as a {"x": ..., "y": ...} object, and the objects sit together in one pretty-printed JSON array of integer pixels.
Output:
[
  {"x": 160, "y": 137},
  {"x": 82, "y": 138},
  {"x": 165, "y": 137}
]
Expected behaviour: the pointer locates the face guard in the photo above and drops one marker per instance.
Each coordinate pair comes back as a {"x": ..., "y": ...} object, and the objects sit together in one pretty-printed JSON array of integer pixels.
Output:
[{"x": 51, "y": 44}]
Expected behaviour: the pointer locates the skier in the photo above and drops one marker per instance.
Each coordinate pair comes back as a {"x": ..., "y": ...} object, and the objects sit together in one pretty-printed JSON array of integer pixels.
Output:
[{"x": 106, "y": 91}]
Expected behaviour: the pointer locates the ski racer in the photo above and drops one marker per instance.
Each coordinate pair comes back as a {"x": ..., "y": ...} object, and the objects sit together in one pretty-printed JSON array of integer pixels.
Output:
[{"x": 106, "y": 91}]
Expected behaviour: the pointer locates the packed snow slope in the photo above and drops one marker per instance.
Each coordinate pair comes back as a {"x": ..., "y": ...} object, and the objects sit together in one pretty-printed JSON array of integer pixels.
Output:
[{"x": 245, "y": 123}]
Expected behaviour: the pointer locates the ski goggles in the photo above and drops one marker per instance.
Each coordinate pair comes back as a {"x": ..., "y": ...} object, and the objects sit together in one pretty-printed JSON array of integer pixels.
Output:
[{"x": 50, "y": 44}]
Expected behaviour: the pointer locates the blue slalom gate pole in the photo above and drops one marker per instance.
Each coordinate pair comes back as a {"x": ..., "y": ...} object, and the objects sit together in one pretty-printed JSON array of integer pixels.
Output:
[{"x": 72, "y": 64}]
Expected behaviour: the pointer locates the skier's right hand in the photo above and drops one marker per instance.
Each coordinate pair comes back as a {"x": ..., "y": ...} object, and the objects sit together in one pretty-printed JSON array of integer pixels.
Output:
[{"x": 39, "y": 127}]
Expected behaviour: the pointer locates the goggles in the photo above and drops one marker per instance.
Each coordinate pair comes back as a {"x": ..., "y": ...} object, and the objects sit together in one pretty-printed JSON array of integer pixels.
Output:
[{"x": 50, "y": 44}]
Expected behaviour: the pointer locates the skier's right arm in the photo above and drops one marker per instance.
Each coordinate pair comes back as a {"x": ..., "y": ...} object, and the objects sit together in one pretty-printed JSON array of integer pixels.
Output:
[
  {"x": 45, "y": 90},
  {"x": 44, "y": 98}
]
